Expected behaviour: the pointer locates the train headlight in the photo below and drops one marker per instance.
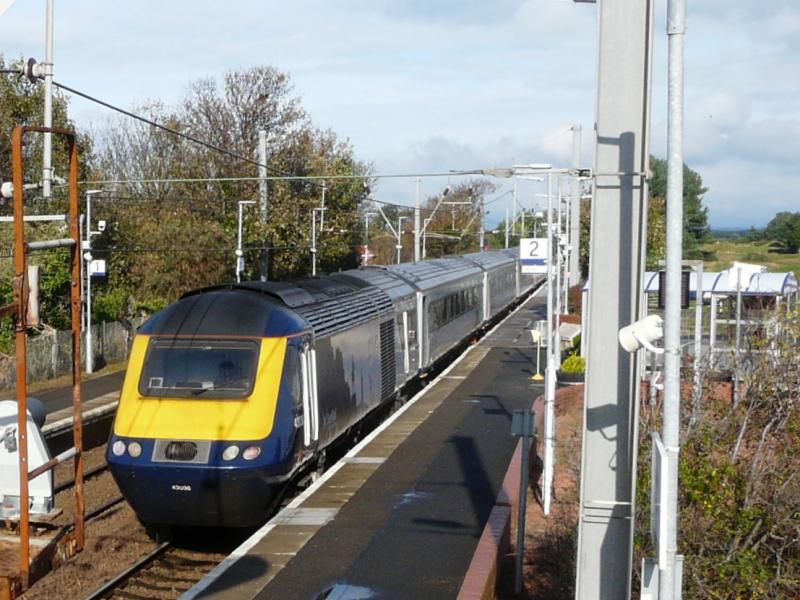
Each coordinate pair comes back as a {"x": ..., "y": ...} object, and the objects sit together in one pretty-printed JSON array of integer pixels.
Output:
[
  {"x": 251, "y": 453},
  {"x": 135, "y": 449},
  {"x": 230, "y": 453},
  {"x": 118, "y": 448}
]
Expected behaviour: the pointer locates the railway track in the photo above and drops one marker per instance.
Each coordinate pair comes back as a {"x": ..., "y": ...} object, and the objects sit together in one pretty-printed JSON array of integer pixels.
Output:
[
  {"x": 88, "y": 474},
  {"x": 167, "y": 572}
]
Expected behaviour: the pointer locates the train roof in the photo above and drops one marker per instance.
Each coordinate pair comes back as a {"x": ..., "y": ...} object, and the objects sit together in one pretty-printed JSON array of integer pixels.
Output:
[
  {"x": 490, "y": 260},
  {"x": 391, "y": 283},
  {"x": 225, "y": 312},
  {"x": 329, "y": 304},
  {"x": 430, "y": 274}
]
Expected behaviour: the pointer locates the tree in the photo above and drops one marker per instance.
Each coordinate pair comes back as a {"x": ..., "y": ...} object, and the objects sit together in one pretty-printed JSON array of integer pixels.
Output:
[
  {"x": 696, "y": 230},
  {"x": 195, "y": 223},
  {"x": 784, "y": 230},
  {"x": 23, "y": 104}
]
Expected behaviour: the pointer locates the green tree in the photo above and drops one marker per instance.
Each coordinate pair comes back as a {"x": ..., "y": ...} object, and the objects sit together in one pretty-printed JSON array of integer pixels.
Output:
[
  {"x": 170, "y": 237},
  {"x": 696, "y": 230},
  {"x": 23, "y": 104},
  {"x": 784, "y": 230}
]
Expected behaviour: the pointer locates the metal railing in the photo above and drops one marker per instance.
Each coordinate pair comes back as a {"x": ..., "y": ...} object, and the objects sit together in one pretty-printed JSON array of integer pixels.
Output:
[{"x": 20, "y": 310}]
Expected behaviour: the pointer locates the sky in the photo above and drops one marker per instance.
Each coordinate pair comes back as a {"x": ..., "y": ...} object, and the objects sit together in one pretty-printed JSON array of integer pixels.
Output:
[{"x": 424, "y": 86}]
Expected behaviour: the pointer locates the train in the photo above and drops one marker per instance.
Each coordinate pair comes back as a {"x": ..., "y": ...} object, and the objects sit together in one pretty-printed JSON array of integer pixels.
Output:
[{"x": 235, "y": 389}]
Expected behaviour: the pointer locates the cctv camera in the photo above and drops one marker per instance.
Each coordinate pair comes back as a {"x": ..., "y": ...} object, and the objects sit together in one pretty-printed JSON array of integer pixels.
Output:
[
  {"x": 642, "y": 333},
  {"x": 101, "y": 225}
]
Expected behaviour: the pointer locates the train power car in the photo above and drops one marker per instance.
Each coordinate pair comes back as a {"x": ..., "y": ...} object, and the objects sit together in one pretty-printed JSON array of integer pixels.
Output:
[{"x": 233, "y": 389}]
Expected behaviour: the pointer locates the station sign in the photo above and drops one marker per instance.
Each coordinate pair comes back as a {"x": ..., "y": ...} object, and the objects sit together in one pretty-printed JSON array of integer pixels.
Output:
[
  {"x": 533, "y": 255},
  {"x": 97, "y": 268}
]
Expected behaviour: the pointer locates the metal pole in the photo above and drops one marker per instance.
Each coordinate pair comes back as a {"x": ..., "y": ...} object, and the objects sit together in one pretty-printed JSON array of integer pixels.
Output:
[
  {"x": 425, "y": 239},
  {"x": 314, "y": 242},
  {"x": 77, "y": 403},
  {"x": 366, "y": 237},
  {"x": 736, "y": 375},
  {"x": 506, "y": 246},
  {"x": 698, "y": 335},
  {"x": 89, "y": 357},
  {"x": 399, "y": 237},
  {"x": 567, "y": 256},
  {"x": 559, "y": 265},
  {"x": 550, "y": 369},
  {"x": 483, "y": 224},
  {"x": 523, "y": 223},
  {"x": 527, "y": 429},
  {"x": 21, "y": 300},
  {"x": 322, "y": 212},
  {"x": 672, "y": 313},
  {"x": 263, "y": 189},
  {"x": 239, "y": 266},
  {"x": 47, "y": 162},
  {"x": 416, "y": 225},
  {"x": 575, "y": 210},
  {"x": 514, "y": 211},
  {"x": 712, "y": 333},
  {"x": 263, "y": 195}
]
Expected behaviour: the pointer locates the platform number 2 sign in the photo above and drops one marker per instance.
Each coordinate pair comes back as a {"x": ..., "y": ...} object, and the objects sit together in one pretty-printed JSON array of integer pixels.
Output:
[{"x": 533, "y": 255}]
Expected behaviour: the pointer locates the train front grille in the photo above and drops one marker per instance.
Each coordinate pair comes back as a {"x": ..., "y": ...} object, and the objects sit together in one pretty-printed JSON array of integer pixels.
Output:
[{"x": 184, "y": 451}]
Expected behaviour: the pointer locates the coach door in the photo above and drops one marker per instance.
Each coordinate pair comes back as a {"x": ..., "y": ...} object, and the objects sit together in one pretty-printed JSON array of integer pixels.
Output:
[{"x": 308, "y": 368}]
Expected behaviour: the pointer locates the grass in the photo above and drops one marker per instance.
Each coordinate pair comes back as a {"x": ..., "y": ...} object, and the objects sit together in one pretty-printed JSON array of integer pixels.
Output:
[{"x": 727, "y": 251}]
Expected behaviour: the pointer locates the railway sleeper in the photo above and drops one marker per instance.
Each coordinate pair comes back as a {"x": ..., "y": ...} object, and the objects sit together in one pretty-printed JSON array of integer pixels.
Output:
[
  {"x": 185, "y": 561},
  {"x": 138, "y": 583},
  {"x": 129, "y": 595},
  {"x": 150, "y": 577}
]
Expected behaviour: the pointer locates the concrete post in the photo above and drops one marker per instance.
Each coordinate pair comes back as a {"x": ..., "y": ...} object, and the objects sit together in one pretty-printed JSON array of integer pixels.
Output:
[{"x": 617, "y": 252}]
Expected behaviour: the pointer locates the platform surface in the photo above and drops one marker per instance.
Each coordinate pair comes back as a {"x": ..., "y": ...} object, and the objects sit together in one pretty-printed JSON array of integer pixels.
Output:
[{"x": 402, "y": 514}]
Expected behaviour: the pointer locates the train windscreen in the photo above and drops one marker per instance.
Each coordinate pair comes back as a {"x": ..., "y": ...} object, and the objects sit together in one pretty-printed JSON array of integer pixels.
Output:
[{"x": 219, "y": 369}]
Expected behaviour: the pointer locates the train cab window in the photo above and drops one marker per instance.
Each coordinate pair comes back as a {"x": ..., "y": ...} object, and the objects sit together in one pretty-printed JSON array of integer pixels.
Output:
[
  {"x": 218, "y": 369},
  {"x": 293, "y": 376}
]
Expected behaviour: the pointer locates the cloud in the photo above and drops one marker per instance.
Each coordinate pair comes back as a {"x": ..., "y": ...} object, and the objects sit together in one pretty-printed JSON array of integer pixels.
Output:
[
  {"x": 424, "y": 86},
  {"x": 747, "y": 193}
]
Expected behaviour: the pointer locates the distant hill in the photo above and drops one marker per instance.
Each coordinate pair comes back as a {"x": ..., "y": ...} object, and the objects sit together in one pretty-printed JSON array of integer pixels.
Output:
[{"x": 726, "y": 234}]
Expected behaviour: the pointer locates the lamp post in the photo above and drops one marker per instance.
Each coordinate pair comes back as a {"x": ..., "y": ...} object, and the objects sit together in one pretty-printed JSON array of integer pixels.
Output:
[
  {"x": 239, "y": 253},
  {"x": 87, "y": 245}
]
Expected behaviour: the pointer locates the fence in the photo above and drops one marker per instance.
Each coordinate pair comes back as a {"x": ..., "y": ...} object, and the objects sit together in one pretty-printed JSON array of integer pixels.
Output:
[{"x": 50, "y": 354}]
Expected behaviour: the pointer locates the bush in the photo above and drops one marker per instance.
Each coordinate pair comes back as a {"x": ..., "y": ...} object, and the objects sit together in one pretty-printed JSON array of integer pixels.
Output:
[
  {"x": 111, "y": 305},
  {"x": 739, "y": 484},
  {"x": 574, "y": 364}
]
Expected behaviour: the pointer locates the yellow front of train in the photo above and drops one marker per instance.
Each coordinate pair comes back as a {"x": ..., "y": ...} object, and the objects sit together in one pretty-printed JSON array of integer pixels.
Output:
[{"x": 206, "y": 432}]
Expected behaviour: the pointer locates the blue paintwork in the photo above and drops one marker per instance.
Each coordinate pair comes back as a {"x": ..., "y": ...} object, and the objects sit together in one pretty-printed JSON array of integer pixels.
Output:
[{"x": 235, "y": 493}]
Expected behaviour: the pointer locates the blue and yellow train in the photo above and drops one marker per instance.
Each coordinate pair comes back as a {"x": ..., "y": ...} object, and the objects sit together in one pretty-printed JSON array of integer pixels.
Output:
[{"x": 233, "y": 389}]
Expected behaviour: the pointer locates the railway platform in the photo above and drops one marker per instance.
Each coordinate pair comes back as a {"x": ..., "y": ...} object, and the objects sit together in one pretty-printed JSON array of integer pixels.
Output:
[{"x": 401, "y": 515}]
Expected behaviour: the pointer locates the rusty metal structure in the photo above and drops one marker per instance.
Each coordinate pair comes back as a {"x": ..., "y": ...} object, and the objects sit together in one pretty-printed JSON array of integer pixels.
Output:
[{"x": 20, "y": 310}]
